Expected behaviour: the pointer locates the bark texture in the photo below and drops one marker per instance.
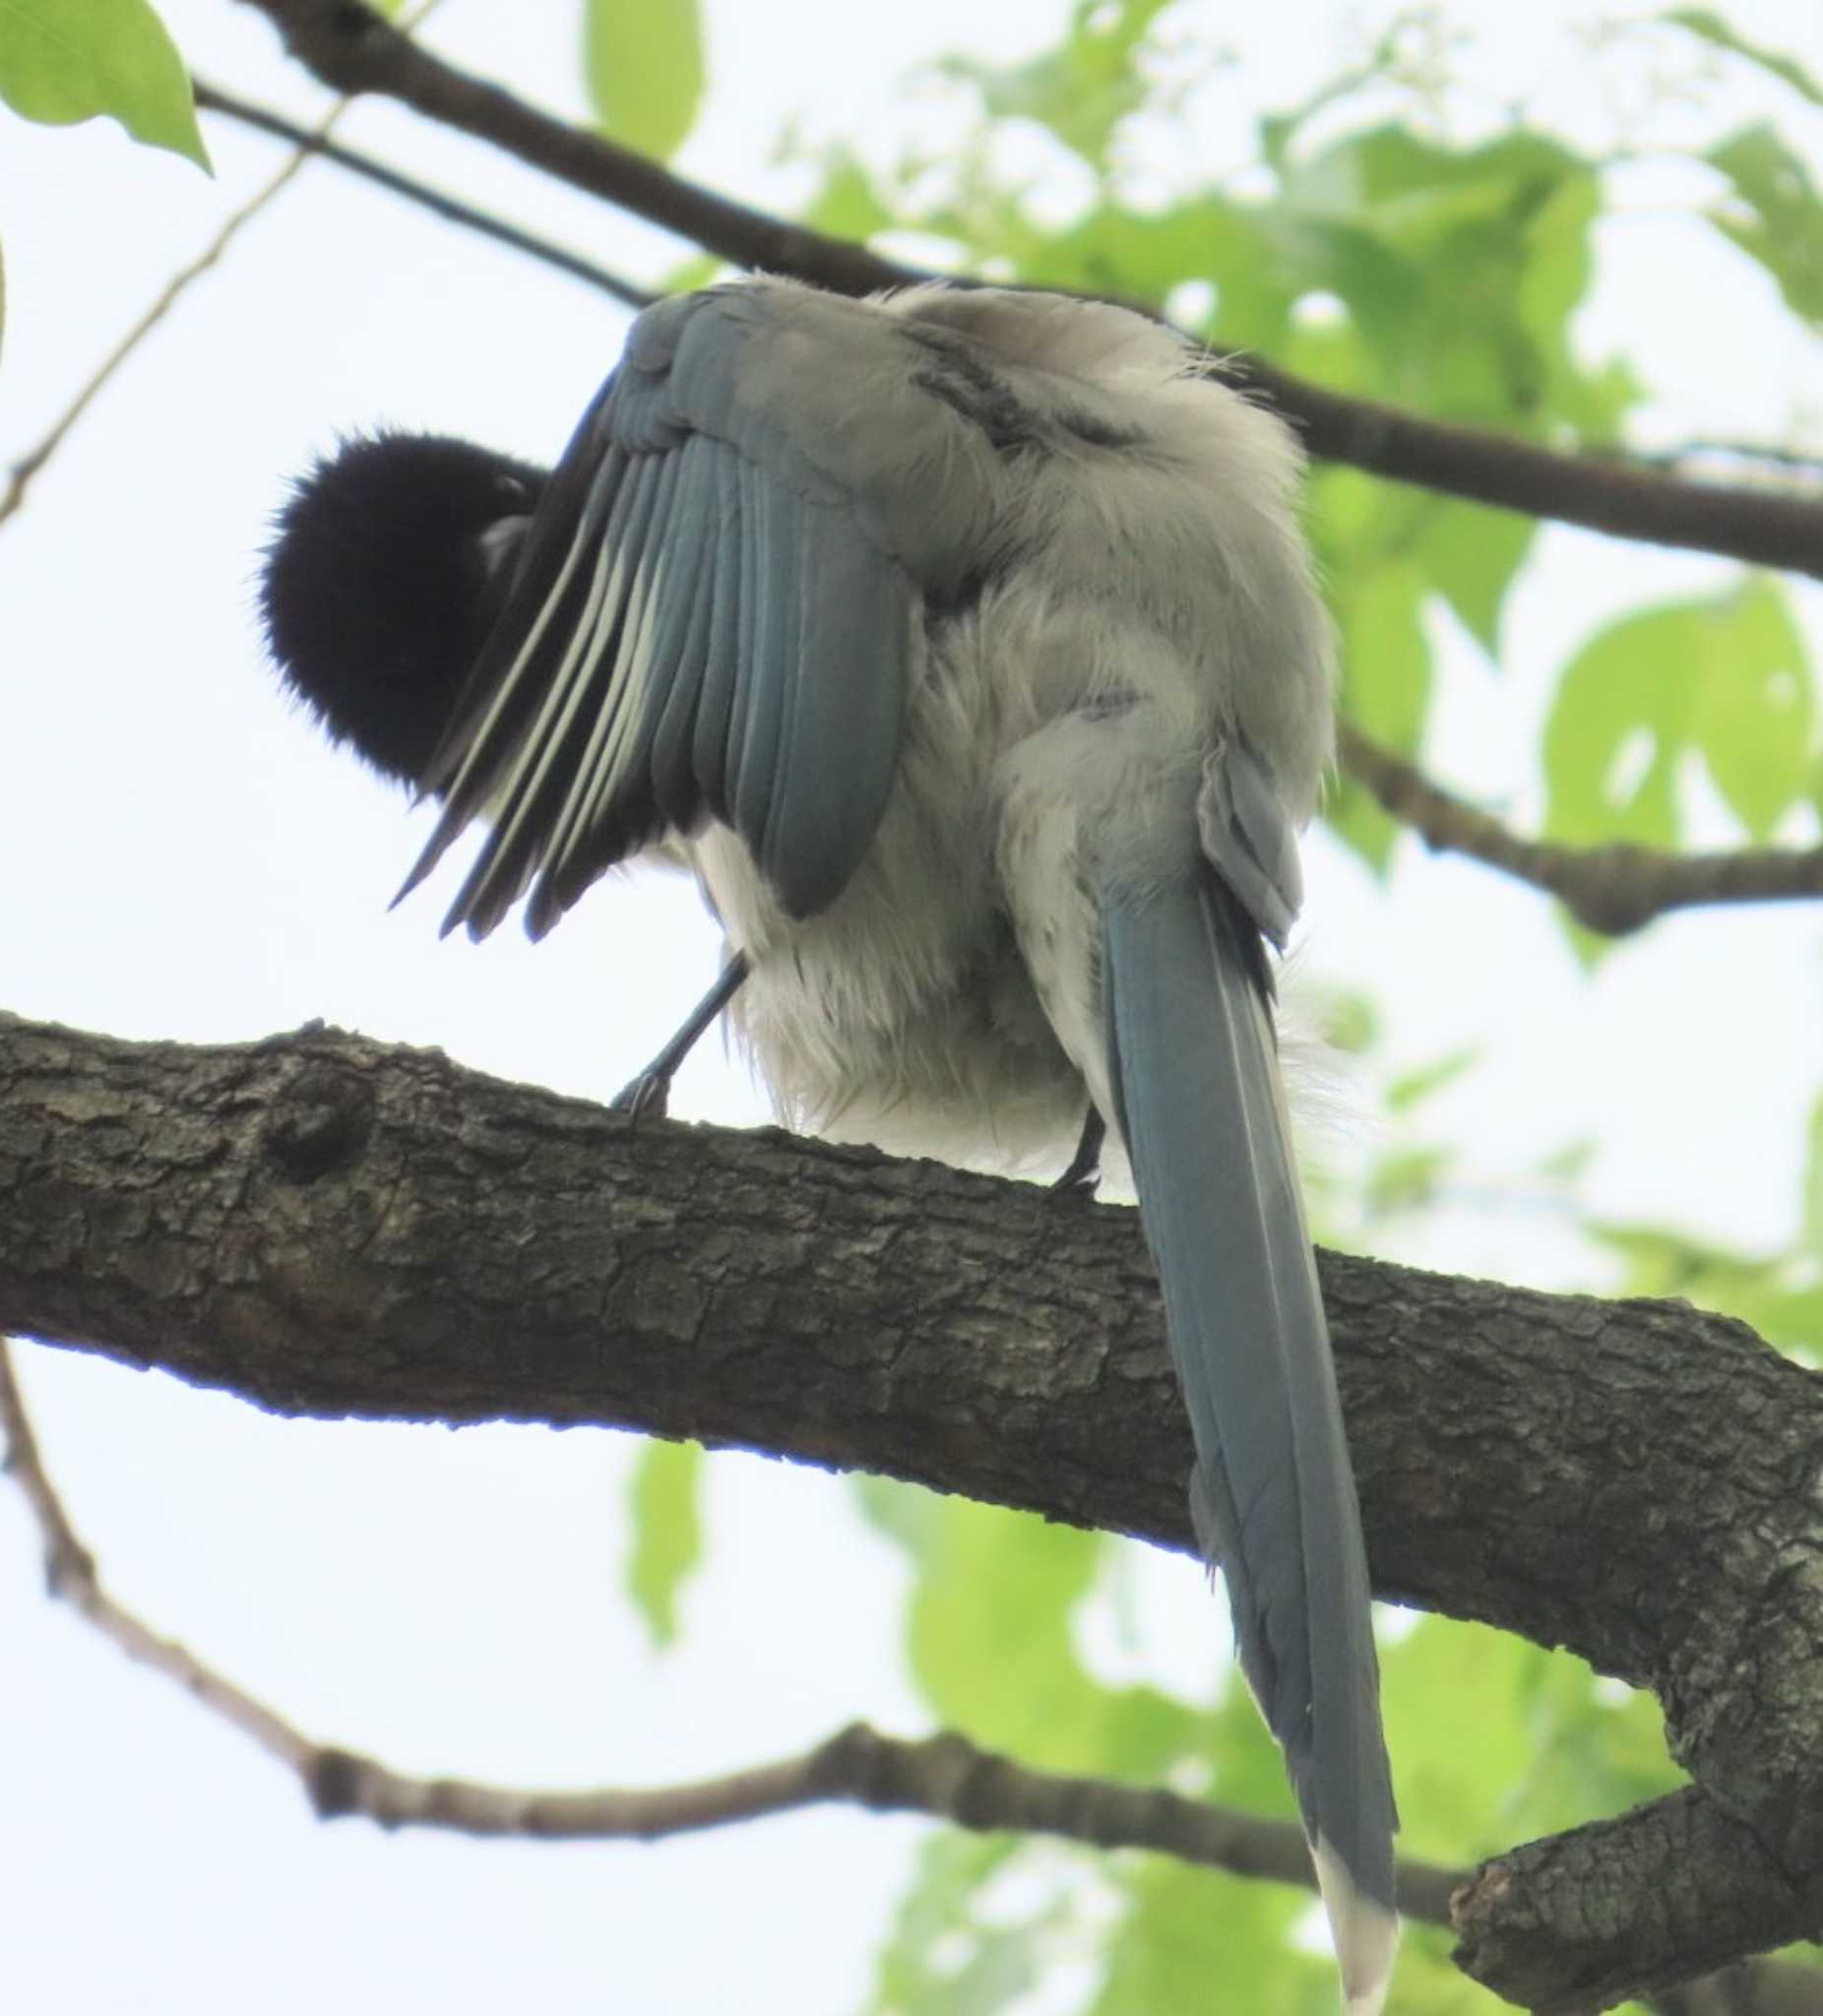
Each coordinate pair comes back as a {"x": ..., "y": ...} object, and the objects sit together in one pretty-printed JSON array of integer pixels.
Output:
[{"x": 330, "y": 1227}]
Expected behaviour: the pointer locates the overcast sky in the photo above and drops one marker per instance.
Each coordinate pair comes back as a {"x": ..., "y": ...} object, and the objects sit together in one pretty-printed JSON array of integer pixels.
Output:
[{"x": 184, "y": 860}]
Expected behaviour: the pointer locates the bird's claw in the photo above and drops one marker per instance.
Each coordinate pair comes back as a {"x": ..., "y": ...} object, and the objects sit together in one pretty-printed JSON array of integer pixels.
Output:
[
  {"x": 1080, "y": 1179},
  {"x": 646, "y": 1098},
  {"x": 1084, "y": 1173}
]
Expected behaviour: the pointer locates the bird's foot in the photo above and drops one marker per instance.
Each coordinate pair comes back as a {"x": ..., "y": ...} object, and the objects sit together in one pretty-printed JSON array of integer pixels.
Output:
[
  {"x": 1084, "y": 1173},
  {"x": 645, "y": 1098},
  {"x": 648, "y": 1096}
]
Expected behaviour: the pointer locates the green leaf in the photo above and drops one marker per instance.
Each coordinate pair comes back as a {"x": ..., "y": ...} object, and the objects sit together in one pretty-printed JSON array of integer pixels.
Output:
[
  {"x": 1569, "y": 1163},
  {"x": 700, "y": 270},
  {"x": 667, "y": 1533},
  {"x": 1699, "y": 21},
  {"x": 988, "y": 1631},
  {"x": 990, "y": 1638},
  {"x": 1627, "y": 690},
  {"x": 643, "y": 60},
  {"x": 1575, "y": 401},
  {"x": 1385, "y": 687},
  {"x": 1472, "y": 553},
  {"x": 1429, "y": 1983},
  {"x": 945, "y": 1957},
  {"x": 1755, "y": 714},
  {"x": 1775, "y": 216},
  {"x": 1405, "y": 1179},
  {"x": 1143, "y": 257},
  {"x": 1553, "y": 1746},
  {"x": 1083, "y": 89},
  {"x": 847, "y": 206},
  {"x": 1451, "y": 1792},
  {"x": 1812, "y": 1233},
  {"x": 1412, "y": 1088},
  {"x": 1350, "y": 1023},
  {"x": 62, "y": 61},
  {"x": 911, "y": 1518},
  {"x": 1777, "y": 1296},
  {"x": 1560, "y": 257},
  {"x": 1250, "y": 1767},
  {"x": 1195, "y": 1939},
  {"x": 1725, "y": 677},
  {"x": 1434, "y": 249},
  {"x": 990, "y": 1634}
]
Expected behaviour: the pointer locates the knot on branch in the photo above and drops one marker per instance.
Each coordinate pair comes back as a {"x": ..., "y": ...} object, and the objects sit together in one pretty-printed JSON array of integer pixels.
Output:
[
  {"x": 348, "y": 45},
  {"x": 334, "y": 1780},
  {"x": 323, "y": 1125}
]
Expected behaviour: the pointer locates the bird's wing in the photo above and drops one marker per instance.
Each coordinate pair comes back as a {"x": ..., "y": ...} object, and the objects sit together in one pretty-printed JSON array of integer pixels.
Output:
[
  {"x": 713, "y": 617},
  {"x": 1195, "y": 1079}
]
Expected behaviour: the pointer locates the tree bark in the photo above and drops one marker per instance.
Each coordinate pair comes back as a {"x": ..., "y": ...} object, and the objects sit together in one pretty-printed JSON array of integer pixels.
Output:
[{"x": 330, "y": 1227}]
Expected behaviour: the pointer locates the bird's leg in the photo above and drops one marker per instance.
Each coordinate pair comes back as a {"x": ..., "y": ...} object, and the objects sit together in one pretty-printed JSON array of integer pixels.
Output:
[
  {"x": 649, "y": 1092},
  {"x": 1085, "y": 1169}
]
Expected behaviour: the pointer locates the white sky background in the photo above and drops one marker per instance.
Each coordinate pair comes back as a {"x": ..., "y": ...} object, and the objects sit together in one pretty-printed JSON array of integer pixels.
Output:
[{"x": 184, "y": 860}]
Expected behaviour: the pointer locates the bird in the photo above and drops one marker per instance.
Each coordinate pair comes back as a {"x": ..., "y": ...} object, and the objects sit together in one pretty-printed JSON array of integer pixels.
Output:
[{"x": 963, "y": 643}]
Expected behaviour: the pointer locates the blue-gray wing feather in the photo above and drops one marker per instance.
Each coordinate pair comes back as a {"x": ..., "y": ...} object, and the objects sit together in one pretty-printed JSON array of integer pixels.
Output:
[{"x": 702, "y": 626}]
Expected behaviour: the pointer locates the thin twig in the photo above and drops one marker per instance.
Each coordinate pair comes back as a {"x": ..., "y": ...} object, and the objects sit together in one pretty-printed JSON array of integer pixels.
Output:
[
  {"x": 353, "y": 50},
  {"x": 19, "y": 477},
  {"x": 71, "y": 1573},
  {"x": 945, "y": 1777},
  {"x": 1613, "y": 889},
  {"x": 211, "y": 98}
]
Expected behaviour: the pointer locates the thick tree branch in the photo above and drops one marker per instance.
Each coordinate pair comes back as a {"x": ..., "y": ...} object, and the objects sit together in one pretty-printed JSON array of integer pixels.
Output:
[
  {"x": 1578, "y": 1941},
  {"x": 1767, "y": 528},
  {"x": 326, "y": 1226},
  {"x": 1612, "y": 889},
  {"x": 353, "y": 50},
  {"x": 341, "y": 39}
]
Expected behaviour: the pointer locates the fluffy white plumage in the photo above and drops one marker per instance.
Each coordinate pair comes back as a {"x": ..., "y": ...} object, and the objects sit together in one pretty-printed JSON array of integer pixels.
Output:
[{"x": 1169, "y": 603}]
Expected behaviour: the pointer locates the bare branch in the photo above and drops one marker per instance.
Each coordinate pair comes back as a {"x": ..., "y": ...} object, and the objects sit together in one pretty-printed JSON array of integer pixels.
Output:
[
  {"x": 350, "y": 48},
  {"x": 946, "y": 1776},
  {"x": 1613, "y": 889},
  {"x": 19, "y": 477},
  {"x": 71, "y": 1573},
  {"x": 211, "y": 98}
]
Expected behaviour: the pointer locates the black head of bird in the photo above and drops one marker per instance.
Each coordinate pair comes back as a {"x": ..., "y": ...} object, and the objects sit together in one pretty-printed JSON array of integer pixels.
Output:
[{"x": 389, "y": 563}]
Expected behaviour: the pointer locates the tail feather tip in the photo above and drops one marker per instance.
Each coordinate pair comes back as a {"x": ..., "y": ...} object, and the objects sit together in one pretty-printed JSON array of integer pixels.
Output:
[{"x": 1365, "y": 1935}]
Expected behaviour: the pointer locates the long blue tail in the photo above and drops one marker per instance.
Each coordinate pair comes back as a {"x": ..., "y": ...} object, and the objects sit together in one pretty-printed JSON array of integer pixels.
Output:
[{"x": 1194, "y": 1072}]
